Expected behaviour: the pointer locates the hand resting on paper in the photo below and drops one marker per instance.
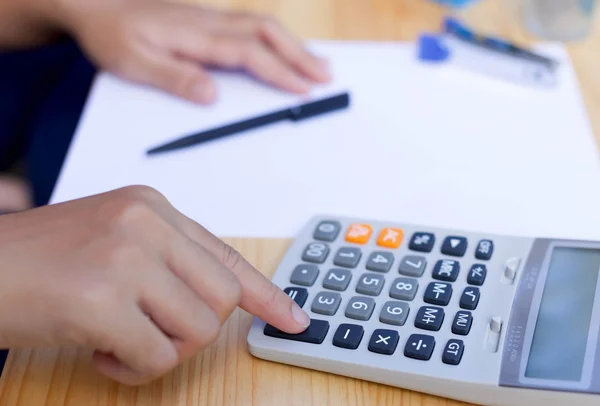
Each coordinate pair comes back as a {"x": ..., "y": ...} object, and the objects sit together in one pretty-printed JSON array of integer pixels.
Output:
[
  {"x": 129, "y": 276},
  {"x": 169, "y": 45}
]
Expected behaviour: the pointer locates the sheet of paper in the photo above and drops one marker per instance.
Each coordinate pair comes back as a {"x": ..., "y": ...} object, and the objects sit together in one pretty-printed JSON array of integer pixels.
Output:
[{"x": 431, "y": 145}]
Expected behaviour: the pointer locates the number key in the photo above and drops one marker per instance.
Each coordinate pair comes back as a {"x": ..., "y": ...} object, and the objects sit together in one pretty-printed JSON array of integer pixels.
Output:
[
  {"x": 370, "y": 284},
  {"x": 327, "y": 230},
  {"x": 394, "y": 313},
  {"x": 347, "y": 257},
  {"x": 380, "y": 261},
  {"x": 360, "y": 308},
  {"x": 315, "y": 252},
  {"x": 404, "y": 289},
  {"x": 326, "y": 303},
  {"x": 337, "y": 279},
  {"x": 412, "y": 265}
]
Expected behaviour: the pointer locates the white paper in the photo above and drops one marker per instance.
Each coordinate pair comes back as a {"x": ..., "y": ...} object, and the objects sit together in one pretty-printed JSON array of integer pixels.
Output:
[{"x": 431, "y": 145}]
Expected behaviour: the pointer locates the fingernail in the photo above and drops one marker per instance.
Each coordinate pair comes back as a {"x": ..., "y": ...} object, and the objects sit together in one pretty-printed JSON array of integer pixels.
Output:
[{"x": 300, "y": 316}]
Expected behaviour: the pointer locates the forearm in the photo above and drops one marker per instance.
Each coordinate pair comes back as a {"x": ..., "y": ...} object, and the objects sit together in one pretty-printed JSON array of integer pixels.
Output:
[{"x": 27, "y": 23}]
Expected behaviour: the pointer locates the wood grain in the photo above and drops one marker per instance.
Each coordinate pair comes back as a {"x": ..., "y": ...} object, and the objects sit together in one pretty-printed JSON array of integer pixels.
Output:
[{"x": 225, "y": 373}]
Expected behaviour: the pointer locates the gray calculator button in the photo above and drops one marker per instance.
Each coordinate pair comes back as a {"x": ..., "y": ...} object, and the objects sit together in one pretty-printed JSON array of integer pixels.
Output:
[
  {"x": 304, "y": 275},
  {"x": 326, "y": 303},
  {"x": 394, "y": 312},
  {"x": 360, "y": 308},
  {"x": 412, "y": 265},
  {"x": 327, "y": 230},
  {"x": 337, "y": 279},
  {"x": 404, "y": 288},
  {"x": 315, "y": 252},
  {"x": 380, "y": 261},
  {"x": 347, "y": 257},
  {"x": 370, "y": 284}
]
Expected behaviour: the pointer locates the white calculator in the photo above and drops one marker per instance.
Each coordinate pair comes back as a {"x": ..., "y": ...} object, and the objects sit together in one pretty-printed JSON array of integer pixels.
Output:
[{"x": 486, "y": 319}]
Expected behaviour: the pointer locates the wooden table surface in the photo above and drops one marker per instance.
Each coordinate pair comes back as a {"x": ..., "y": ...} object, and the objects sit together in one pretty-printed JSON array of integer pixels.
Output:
[{"x": 225, "y": 373}]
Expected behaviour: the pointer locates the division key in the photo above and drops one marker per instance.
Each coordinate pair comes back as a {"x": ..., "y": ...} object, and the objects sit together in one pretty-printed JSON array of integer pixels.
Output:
[{"x": 315, "y": 333}]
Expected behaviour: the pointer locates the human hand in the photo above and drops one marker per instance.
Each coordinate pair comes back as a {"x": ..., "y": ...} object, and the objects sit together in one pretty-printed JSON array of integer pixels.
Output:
[
  {"x": 130, "y": 277},
  {"x": 169, "y": 45}
]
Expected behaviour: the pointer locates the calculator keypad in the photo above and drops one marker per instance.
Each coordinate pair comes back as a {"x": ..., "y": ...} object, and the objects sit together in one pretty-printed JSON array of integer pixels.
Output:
[{"x": 370, "y": 277}]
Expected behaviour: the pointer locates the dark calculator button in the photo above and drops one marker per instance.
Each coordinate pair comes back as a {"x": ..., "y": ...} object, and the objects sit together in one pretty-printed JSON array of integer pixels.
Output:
[
  {"x": 315, "y": 252},
  {"x": 462, "y": 322},
  {"x": 446, "y": 270},
  {"x": 454, "y": 245},
  {"x": 422, "y": 242},
  {"x": 347, "y": 257},
  {"x": 419, "y": 346},
  {"x": 477, "y": 274},
  {"x": 484, "y": 249},
  {"x": 469, "y": 298},
  {"x": 327, "y": 231},
  {"x": 429, "y": 318},
  {"x": 315, "y": 333},
  {"x": 348, "y": 336},
  {"x": 298, "y": 295},
  {"x": 384, "y": 341},
  {"x": 438, "y": 293},
  {"x": 453, "y": 352}
]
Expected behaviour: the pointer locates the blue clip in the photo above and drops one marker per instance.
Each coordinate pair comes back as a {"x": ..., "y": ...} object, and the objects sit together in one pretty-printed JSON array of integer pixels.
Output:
[{"x": 432, "y": 49}]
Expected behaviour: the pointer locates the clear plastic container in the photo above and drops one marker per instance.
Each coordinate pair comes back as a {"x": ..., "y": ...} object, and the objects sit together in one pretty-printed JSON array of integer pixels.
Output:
[{"x": 558, "y": 20}]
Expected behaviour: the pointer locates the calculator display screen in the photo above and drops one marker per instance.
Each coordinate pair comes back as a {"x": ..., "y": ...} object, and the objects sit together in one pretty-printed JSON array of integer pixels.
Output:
[{"x": 561, "y": 331}]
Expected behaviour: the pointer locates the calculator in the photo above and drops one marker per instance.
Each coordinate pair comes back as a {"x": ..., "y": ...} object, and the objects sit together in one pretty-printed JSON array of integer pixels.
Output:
[{"x": 476, "y": 317}]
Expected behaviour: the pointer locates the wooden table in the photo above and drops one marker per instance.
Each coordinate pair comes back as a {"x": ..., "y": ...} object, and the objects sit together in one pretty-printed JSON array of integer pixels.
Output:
[{"x": 225, "y": 373}]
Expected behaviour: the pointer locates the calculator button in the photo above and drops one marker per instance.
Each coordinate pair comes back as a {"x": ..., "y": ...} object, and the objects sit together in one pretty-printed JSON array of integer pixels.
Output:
[
  {"x": 394, "y": 313},
  {"x": 453, "y": 352},
  {"x": 469, "y": 298},
  {"x": 446, "y": 270},
  {"x": 390, "y": 237},
  {"x": 429, "y": 318},
  {"x": 337, "y": 279},
  {"x": 315, "y": 252},
  {"x": 438, "y": 293},
  {"x": 370, "y": 284},
  {"x": 326, "y": 303},
  {"x": 412, "y": 265},
  {"x": 304, "y": 275},
  {"x": 419, "y": 346},
  {"x": 298, "y": 295},
  {"x": 380, "y": 261},
  {"x": 360, "y": 308},
  {"x": 327, "y": 231},
  {"x": 347, "y": 257},
  {"x": 315, "y": 333},
  {"x": 510, "y": 269},
  {"x": 477, "y": 274},
  {"x": 348, "y": 336},
  {"x": 454, "y": 245},
  {"x": 484, "y": 249},
  {"x": 462, "y": 322},
  {"x": 404, "y": 288},
  {"x": 359, "y": 233},
  {"x": 384, "y": 341},
  {"x": 422, "y": 242}
]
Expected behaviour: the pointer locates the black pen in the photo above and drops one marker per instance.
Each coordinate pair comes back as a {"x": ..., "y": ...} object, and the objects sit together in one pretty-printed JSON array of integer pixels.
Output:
[{"x": 294, "y": 113}]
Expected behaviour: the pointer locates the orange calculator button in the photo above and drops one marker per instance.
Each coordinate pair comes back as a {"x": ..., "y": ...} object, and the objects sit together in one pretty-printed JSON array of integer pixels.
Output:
[
  {"x": 359, "y": 233},
  {"x": 390, "y": 237}
]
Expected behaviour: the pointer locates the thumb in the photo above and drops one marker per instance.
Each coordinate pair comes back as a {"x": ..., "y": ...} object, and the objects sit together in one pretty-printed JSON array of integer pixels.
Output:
[{"x": 177, "y": 76}]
